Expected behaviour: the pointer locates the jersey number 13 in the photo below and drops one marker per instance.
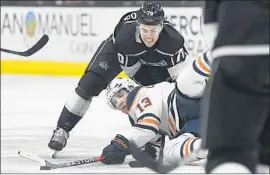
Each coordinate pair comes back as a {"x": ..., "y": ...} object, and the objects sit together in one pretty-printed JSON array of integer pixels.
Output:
[{"x": 144, "y": 103}]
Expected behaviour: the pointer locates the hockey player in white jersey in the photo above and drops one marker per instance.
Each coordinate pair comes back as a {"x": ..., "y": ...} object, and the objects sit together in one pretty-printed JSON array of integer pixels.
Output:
[{"x": 172, "y": 108}]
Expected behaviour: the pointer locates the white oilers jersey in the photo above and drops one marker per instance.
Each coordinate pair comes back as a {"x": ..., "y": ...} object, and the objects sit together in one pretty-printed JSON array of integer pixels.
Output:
[{"x": 152, "y": 109}]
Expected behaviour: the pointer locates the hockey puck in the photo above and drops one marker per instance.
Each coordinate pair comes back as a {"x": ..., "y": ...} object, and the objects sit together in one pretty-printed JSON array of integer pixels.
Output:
[
  {"x": 135, "y": 164},
  {"x": 45, "y": 168}
]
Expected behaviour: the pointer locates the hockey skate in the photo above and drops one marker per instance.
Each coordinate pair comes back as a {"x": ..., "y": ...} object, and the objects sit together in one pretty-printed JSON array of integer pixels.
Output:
[{"x": 58, "y": 140}]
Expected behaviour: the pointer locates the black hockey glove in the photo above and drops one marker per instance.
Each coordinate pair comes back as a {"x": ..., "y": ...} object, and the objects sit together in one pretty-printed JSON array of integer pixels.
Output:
[
  {"x": 116, "y": 152},
  {"x": 150, "y": 150}
]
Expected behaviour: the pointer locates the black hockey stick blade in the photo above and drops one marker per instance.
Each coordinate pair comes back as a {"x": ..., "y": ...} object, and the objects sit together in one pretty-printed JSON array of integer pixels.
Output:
[
  {"x": 42, "y": 42},
  {"x": 149, "y": 162},
  {"x": 135, "y": 164}
]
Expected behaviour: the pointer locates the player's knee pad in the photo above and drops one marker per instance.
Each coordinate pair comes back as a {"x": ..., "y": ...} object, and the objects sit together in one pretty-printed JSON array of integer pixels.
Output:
[
  {"x": 217, "y": 156},
  {"x": 74, "y": 109},
  {"x": 91, "y": 84},
  {"x": 182, "y": 146},
  {"x": 78, "y": 103}
]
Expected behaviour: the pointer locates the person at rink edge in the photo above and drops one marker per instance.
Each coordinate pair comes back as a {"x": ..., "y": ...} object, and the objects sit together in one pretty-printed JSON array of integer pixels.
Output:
[
  {"x": 165, "y": 108},
  {"x": 143, "y": 44},
  {"x": 235, "y": 114}
]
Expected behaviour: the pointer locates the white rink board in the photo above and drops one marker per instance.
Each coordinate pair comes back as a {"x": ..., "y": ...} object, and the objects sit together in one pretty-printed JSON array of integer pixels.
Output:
[
  {"x": 75, "y": 33},
  {"x": 30, "y": 107}
]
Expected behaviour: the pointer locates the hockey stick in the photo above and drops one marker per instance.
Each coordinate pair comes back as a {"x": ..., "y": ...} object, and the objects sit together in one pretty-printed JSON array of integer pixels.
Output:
[
  {"x": 46, "y": 165},
  {"x": 156, "y": 166},
  {"x": 42, "y": 41},
  {"x": 147, "y": 161},
  {"x": 138, "y": 164}
]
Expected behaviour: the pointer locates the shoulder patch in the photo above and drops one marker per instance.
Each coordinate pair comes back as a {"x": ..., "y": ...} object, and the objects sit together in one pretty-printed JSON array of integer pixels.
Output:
[{"x": 132, "y": 95}]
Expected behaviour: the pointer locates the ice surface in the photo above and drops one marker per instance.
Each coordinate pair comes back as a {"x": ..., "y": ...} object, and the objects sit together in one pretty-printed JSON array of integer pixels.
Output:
[{"x": 30, "y": 107}]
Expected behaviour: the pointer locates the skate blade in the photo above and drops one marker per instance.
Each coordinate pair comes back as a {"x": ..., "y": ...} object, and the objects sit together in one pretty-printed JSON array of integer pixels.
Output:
[{"x": 54, "y": 153}]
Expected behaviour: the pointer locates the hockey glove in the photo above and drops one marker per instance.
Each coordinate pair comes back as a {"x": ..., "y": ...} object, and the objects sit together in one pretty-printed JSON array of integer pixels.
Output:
[
  {"x": 116, "y": 152},
  {"x": 150, "y": 150}
]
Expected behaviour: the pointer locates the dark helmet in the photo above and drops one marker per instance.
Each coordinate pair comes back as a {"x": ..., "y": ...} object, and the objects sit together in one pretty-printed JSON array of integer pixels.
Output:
[{"x": 151, "y": 13}]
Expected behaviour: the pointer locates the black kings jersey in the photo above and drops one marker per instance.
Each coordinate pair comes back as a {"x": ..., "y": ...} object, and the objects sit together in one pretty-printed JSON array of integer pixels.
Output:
[{"x": 148, "y": 65}]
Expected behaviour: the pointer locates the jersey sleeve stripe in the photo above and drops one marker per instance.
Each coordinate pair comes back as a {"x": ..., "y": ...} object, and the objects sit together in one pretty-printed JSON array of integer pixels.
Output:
[
  {"x": 148, "y": 115},
  {"x": 146, "y": 127},
  {"x": 149, "y": 121},
  {"x": 171, "y": 99},
  {"x": 205, "y": 58},
  {"x": 192, "y": 143},
  {"x": 175, "y": 114},
  {"x": 182, "y": 148},
  {"x": 203, "y": 65},
  {"x": 187, "y": 147},
  {"x": 172, "y": 125},
  {"x": 198, "y": 70}
]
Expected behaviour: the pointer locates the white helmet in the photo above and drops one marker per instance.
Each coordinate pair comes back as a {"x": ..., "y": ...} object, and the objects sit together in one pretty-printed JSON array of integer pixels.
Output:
[{"x": 117, "y": 85}]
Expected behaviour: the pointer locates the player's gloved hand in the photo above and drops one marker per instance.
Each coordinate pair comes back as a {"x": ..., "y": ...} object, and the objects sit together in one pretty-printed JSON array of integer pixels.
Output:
[
  {"x": 116, "y": 152},
  {"x": 150, "y": 150}
]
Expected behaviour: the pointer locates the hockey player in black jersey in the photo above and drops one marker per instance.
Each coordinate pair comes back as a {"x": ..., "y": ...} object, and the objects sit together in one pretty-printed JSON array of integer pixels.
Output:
[
  {"x": 143, "y": 44},
  {"x": 235, "y": 107}
]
